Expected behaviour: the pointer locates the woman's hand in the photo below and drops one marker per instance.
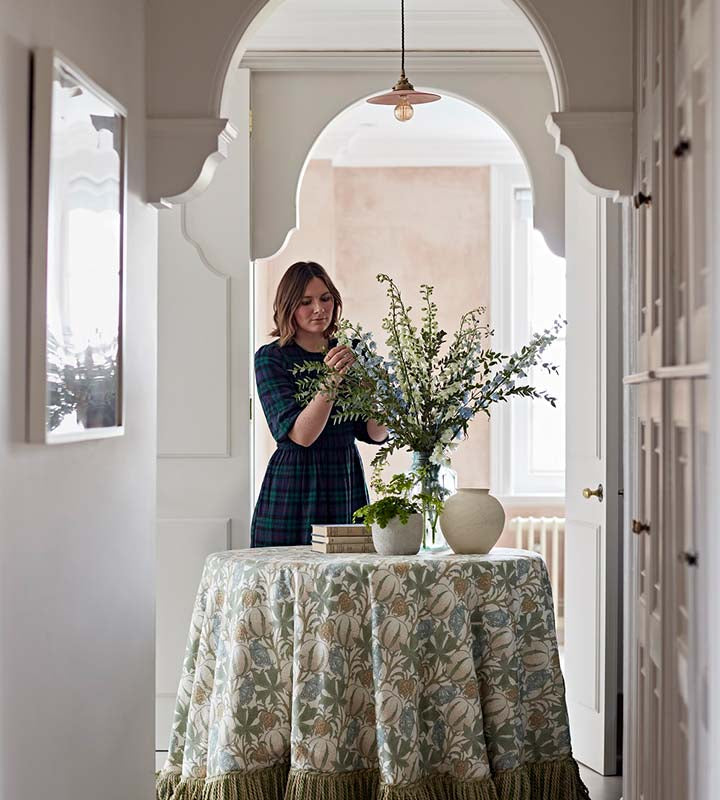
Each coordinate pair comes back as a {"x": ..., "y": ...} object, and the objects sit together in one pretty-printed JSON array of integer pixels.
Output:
[{"x": 339, "y": 359}]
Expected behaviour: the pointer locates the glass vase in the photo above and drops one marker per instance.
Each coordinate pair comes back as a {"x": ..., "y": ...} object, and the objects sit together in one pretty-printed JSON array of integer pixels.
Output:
[{"x": 440, "y": 482}]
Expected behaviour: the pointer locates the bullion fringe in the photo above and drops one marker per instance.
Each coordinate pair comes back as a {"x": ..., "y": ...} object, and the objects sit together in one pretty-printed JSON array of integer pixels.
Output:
[
  {"x": 362, "y": 784},
  {"x": 261, "y": 784},
  {"x": 546, "y": 780},
  {"x": 166, "y": 784},
  {"x": 558, "y": 779}
]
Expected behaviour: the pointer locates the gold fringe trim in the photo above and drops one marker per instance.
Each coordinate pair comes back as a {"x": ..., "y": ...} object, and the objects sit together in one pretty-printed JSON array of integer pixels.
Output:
[
  {"x": 548, "y": 780},
  {"x": 260, "y": 784},
  {"x": 189, "y": 789},
  {"x": 365, "y": 785},
  {"x": 165, "y": 785},
  {"x": 361, "y": 784}
]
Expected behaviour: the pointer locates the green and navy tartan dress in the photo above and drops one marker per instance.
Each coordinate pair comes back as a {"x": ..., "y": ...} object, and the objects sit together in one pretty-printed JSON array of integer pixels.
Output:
[{"x": 320, "y": 484}]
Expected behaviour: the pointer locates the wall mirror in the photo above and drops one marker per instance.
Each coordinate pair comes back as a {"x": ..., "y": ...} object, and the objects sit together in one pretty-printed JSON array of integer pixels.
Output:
[{"x": 77, "y": 251}]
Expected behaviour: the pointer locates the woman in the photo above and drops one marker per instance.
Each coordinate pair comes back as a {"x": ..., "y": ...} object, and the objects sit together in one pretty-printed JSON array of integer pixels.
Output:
[{"x": 315, "y": 475}]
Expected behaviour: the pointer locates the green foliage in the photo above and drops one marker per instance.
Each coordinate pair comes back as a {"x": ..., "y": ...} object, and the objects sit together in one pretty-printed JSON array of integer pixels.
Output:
[
  {"x": 386, "y": 509},
  {"x": 427, "y": 390},
  {"x": 396, "y": 501}
]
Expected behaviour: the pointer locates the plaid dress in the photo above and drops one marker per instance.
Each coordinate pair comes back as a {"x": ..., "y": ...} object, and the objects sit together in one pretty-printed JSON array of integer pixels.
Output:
[{"x": 320, "y": 484}]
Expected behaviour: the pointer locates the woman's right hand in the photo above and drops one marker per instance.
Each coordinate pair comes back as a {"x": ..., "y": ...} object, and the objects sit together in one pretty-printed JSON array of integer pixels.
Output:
[{"x": 339, "y": 358}]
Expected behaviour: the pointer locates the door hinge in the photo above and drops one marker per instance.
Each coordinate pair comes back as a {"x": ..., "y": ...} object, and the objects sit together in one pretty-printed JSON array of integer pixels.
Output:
[
  {"x": 251, "y": 408},
  {"x": 250, "y": 122}
]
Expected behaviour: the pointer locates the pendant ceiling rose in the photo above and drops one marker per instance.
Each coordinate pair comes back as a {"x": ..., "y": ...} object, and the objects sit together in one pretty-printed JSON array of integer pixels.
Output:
[{"x": 403, "y": 95}]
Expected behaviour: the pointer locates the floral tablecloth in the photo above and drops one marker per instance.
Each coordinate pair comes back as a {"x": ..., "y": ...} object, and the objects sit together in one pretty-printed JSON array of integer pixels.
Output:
[{"x": 312, "y": 676}]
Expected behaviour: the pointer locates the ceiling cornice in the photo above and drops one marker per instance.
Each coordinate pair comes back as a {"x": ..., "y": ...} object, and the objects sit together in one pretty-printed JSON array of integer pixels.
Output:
[{"x": 388, "y": 60}]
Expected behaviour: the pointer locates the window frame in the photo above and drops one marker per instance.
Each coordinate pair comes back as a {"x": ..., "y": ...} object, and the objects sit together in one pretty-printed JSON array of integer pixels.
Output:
[{"x": 508, "y": 296}]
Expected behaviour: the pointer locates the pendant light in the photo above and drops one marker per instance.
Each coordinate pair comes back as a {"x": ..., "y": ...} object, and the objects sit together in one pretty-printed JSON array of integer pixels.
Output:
[{"x": 403, "y": 94}]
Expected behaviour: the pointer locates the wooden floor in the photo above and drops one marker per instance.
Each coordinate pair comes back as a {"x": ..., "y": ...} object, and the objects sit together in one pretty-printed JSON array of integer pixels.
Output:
[{"x": 601, "y": 788}]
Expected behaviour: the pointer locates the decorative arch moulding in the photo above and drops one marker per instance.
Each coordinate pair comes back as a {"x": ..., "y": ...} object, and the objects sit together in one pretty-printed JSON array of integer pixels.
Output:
[
  {"x": 601, "y": 145},
  {"x": 586, "y": 55},
  {"x": 182, "y": 156}
]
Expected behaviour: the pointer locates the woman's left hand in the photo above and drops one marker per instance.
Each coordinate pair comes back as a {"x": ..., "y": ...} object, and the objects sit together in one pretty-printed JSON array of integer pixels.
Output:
[{"x": 339, "y": 358}]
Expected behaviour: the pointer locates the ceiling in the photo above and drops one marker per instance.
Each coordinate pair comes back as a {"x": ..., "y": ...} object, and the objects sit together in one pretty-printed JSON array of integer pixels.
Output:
[
  {"x": 375, "y": 25},
  {"x": 447, "y": 133}
]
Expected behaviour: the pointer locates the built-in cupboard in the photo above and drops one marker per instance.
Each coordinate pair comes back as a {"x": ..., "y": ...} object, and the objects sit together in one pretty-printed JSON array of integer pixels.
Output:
[{"x": 666, "y": 315}]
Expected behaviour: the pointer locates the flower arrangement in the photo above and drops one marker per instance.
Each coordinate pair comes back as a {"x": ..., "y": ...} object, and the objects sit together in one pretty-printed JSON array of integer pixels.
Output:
[{"x": 427, "y": 390}]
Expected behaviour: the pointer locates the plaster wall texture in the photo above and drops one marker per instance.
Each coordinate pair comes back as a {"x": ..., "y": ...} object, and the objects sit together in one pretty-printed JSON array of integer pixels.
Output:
[
  {"x": 77, "y": 535},
  {"x": 419, "y": 225}
]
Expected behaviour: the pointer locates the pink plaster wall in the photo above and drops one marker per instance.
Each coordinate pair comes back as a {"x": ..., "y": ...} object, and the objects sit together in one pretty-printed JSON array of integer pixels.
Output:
[{"x": 419, "y": 225}]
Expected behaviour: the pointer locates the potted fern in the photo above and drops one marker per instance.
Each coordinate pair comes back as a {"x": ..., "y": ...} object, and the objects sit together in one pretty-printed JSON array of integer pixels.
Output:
[{"x": 396, "y": 517}]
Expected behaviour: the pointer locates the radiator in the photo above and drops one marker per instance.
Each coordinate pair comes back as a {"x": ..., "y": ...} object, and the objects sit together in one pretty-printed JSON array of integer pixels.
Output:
[{"x": 545, "y": 535}]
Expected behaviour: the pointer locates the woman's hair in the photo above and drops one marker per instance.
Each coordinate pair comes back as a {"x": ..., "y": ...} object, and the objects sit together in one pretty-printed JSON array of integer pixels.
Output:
[{"x": 291, "y": 291}]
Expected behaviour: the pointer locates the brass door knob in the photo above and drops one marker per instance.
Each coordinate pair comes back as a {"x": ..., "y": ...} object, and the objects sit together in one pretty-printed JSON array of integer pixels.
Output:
[
  {"x": 640, "y": 527},
  {"x": 588, "y": 493}
]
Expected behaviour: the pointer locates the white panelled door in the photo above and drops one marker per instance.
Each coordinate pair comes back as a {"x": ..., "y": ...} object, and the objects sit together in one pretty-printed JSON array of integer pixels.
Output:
[
  {"x": 204, "y": 441},
  {"x": 594, "y": 415}
]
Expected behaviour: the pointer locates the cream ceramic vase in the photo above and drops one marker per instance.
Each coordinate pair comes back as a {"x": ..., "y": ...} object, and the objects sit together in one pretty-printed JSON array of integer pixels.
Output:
[
  {"x": 472, "y": 521},
  {"x": 396, "y": 539}
]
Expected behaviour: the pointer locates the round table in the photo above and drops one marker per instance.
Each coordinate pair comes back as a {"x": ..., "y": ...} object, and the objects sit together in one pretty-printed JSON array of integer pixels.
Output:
[{"x": 313, "y": 676}]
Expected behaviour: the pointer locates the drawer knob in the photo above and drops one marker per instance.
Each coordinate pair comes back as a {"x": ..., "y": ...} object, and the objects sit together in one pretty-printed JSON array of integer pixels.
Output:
[{"x": 681, "y": 148}]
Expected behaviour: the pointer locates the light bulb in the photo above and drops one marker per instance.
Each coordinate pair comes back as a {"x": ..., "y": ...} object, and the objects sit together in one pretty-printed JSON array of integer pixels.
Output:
[{"x": 403, "y": 111}]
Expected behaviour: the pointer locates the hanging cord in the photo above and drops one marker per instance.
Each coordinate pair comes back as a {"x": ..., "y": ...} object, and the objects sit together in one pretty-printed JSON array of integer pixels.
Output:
[{"x": 402, "y": 34}]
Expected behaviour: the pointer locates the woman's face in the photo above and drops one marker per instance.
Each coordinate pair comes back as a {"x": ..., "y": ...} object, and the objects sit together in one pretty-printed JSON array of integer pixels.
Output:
[{"x": 316, "y": 307}]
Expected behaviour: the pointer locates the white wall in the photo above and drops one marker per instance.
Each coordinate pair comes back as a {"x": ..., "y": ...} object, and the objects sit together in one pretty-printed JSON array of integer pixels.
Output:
[{"x": 76, "y": 521}]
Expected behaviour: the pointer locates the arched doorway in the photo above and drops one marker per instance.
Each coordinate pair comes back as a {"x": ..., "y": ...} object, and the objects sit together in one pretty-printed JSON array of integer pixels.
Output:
[{"x": 272, "y": 203}]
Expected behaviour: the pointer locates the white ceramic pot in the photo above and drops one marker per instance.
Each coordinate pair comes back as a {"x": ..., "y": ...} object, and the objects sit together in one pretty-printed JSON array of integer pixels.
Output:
[
  {"x": 472, "y": 521},
  {"x": 396, "y": 539}
]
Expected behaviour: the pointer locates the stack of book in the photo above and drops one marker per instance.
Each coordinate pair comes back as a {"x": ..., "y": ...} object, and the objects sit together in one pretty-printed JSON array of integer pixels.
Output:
[{"x": 342, "y": 539}]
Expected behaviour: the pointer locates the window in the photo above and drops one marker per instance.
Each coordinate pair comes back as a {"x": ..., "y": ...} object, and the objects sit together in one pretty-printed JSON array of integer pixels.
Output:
[{"x": 528, "y": 293}]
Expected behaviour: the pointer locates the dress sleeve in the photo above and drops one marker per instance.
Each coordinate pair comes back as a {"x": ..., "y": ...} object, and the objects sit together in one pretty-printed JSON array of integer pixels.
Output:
[
  {"x": 276, "y": 389},
  {"x": 361, "y": 433}
]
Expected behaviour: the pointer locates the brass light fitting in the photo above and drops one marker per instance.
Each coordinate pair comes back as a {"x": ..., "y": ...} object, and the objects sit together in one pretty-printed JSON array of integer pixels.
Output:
[{"x": 403, "y": 95}]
